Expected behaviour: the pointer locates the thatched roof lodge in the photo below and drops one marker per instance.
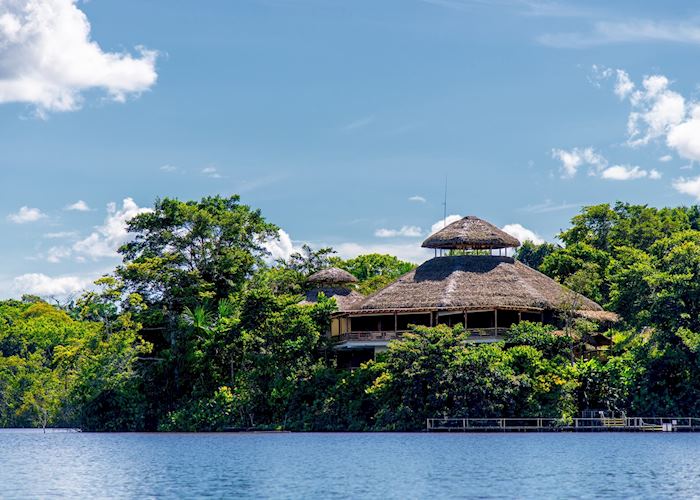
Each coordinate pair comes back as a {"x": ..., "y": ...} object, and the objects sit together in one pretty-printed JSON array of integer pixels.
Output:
[{"x": 484, "y": 293}]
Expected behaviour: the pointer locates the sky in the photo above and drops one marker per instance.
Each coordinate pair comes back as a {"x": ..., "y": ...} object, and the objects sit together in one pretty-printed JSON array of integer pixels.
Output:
[{"x": 342, "y": 121}]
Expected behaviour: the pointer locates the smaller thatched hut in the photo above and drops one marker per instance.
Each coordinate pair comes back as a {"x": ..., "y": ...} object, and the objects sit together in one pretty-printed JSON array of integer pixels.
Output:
[
  {"x": 471, "y": 233},
  {"x": 333, "y": 282},
  {"x": 332, "y": 276}
]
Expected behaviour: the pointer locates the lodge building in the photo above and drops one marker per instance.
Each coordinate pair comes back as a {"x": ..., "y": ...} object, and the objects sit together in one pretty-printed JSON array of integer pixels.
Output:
[{"x": 471, "y": 281}]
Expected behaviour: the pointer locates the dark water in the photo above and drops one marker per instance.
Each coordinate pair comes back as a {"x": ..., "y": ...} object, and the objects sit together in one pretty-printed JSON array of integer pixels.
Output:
[{"x": 663, "y": 465}]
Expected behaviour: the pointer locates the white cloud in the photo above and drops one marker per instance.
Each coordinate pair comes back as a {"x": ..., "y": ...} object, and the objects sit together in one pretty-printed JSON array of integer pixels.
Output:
[
  {"x": 688, "y": 186},
  {"x": 78, "y": 206},
  {"x": 654, "y": 174},
  {"x": 107, "y": 238},
  {"x": 168, "y": 168},
  {"x": 26, "y": 214},
  {"x": 444, "y": 222},
  {"x": 623, "y": 86},
  {"x": 48, "y": 59},
  {"x": 417, "y": 199},
  {"x": 549, "y": 206},
  {"x": 656, "y": 110},
  {"x": 575, "y": 158},
  {"x": 61, "y": 235},
  {"x": 57, "y": 254},
  {"x": 522, "y": 233},
  {"x": 405, "y": 231},
  {"x": 411, "y": 252},
  {"x": 624, "y": 173},
  {"x": 685, "y": 137},
  {"x": 211, "y": 171},
  {"x": 43, "y": 285},
  {"x": 282, "y": 247},
  {"x": 607, "y": 32},
  {"x": 358, "y": 124}
]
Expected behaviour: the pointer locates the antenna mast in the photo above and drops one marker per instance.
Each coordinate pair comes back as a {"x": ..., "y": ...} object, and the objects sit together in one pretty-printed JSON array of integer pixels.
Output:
[{"x": 444, "y": 210}]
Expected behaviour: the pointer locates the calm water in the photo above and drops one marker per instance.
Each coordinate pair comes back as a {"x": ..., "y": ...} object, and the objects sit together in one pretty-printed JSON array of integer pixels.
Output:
[{"x": 34, "y": 465}]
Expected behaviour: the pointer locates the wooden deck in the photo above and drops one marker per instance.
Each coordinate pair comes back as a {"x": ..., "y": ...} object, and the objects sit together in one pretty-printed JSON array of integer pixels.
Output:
[
  {"x": 476, "y": 333},
  {"x": 544, "y": 424}
]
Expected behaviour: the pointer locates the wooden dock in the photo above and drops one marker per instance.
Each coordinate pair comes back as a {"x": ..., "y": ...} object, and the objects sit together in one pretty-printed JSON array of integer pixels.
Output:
[{"x": 545, "y": 424}]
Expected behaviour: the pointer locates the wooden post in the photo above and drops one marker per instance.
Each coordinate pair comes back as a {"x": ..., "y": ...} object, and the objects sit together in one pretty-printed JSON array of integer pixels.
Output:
[
  {"x": 465, "y": 320},
  {"x": 495, "y": 320},
  {"x": 396, "y": 324}
]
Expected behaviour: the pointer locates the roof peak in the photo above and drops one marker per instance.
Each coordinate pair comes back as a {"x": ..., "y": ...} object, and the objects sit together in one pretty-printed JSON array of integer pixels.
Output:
[
  {"x": 332, "y": 275},
  {"x": 471, "y": 233}
]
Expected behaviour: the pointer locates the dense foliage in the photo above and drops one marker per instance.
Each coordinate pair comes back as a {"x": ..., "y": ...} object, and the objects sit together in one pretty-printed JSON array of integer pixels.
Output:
[{"x": 198, "y": 330}]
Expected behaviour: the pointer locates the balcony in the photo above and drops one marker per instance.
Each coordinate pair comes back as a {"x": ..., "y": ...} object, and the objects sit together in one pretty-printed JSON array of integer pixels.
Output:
[{"x": 475, "y": 333}]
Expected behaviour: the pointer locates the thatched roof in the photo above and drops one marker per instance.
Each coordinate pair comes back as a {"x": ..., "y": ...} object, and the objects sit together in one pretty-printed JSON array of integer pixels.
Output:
[
  {"x": 473, "y": 282},
  {"x": 470, "y": 233},
  {"x": 599, "y": 316},
  {"x": 333, "y": 276},
  {"x": 346, "y": 299}
]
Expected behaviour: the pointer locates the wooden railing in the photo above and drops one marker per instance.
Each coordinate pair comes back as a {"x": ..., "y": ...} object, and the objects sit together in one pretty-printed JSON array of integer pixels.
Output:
[
  {"x": 555, "y": 424},
  {"x": 392, "y": 335}
]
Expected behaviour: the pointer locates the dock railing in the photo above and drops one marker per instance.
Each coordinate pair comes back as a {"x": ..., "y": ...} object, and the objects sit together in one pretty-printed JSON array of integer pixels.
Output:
[{"x": 542, "y": 424}]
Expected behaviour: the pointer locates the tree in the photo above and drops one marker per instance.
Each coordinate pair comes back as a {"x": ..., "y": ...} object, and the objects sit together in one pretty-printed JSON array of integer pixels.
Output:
[{"x": 533, "y": 255}]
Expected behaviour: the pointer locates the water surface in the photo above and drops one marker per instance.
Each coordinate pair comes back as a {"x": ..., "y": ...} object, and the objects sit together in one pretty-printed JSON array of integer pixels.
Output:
[{"x": 663, "y": 465}]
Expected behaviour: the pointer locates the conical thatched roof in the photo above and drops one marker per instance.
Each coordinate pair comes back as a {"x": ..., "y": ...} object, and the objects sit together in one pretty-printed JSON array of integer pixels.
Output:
[
  {"x": 346, "y": 299},
  {"x": 471, "y": 233},
  {"x": 332, "y": 276},
  {"x": 473, "y": 282}
]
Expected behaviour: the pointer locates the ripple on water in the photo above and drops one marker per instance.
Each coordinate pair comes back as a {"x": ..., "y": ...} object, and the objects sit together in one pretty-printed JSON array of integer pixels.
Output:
[{"x": 664, "y": 465}]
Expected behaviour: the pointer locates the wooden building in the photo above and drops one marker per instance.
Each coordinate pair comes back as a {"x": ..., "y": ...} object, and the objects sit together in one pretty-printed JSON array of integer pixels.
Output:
[{"x": 472, "y": 286}]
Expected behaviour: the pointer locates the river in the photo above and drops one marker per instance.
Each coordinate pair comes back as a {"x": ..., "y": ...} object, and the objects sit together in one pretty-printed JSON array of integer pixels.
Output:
[{"x": 557, "y": 465}]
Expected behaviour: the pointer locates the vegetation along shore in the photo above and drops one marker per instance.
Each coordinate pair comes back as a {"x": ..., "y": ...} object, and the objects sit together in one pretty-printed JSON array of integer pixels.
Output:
[{"x": 197, "y": 330}]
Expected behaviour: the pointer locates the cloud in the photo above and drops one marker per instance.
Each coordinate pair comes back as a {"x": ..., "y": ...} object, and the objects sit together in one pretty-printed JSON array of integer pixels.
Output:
[
  {"x": 48, "y": 59},
  {"x": 688, "y": 186},
  {"x": 282, "y": 247},
  {"x": 522, "y": 233},
  {"x": 685, "y": 137},
  {"x": 405, "y": 231},
  {"x": 78, "y": 206},
  {"x": 167, "y": 168},
  {"x": 43, "y": 285},
  {"x": 633, "y": 31},
  {"x": 211, "y": 171},
  {"x": 658, "y": 113},
  {"x": 56, "y": 254},
  {"x": 358, "y": 124},
  {"x": 575, "y": 158},
  {"x": 417, "y": 199},
  {"x": 549, "y": 206},
  {"x": 26, "y": 214},
  {"x": 625, "y": 173},
  {"x": 61, "y": 235},
  {"x": 654, "y": 174},
  {"x": 411, "y": 252},
  {"x": 106, "y": 239},
  {"x": 534, "y": 8},
  {"x": 444, "y": 222}
]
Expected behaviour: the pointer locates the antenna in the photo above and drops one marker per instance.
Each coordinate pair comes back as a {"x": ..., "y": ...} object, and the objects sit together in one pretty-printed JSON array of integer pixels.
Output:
[{"x": 444, "y": 210}]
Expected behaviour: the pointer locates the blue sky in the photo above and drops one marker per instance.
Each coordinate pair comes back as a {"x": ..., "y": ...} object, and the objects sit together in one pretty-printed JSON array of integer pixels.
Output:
[{"x": 340, "y": 120}]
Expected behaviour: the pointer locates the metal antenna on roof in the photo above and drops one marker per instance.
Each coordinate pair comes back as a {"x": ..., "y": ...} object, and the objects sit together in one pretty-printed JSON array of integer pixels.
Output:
[{"x": 444, "y": 210}]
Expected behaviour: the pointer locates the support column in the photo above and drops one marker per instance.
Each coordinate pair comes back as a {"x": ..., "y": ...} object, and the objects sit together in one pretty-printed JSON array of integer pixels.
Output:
[{"x": 495, "y": 320}]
